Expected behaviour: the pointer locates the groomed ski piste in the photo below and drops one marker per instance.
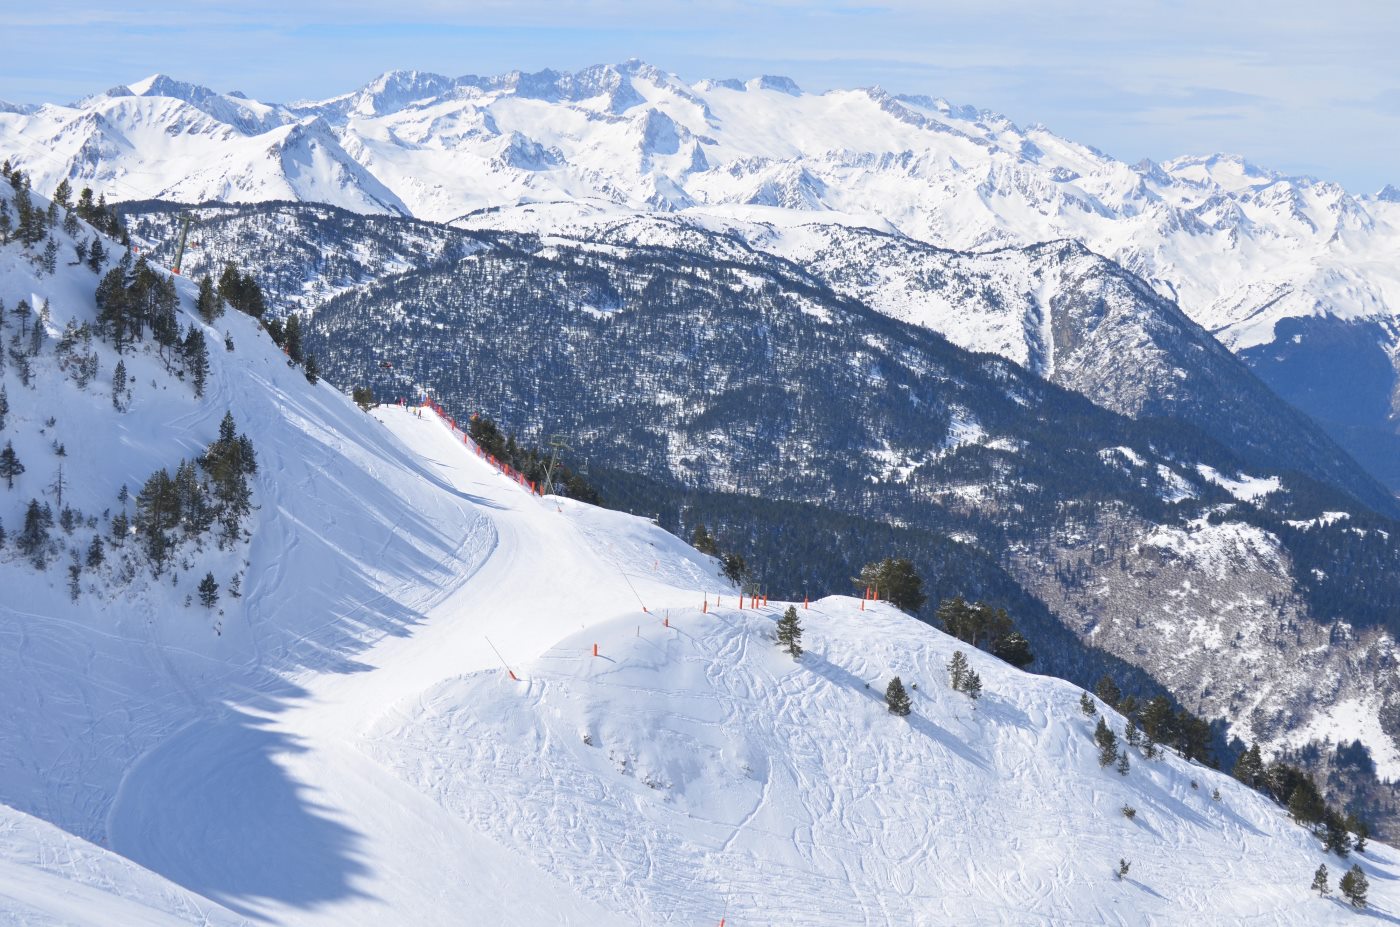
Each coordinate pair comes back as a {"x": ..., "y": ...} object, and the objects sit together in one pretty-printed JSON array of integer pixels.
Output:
[{"x": 402, "y": 719}]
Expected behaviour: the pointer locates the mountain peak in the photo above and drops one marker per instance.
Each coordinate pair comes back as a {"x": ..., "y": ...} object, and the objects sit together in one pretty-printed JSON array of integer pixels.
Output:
[
  {"x": 162, "y": 85},
  {"x": 775, "y": 82}
]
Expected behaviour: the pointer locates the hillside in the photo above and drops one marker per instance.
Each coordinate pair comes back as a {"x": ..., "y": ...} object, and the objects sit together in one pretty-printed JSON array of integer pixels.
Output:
[
  {"x": 1058, "y": 310},
  {"x": 343, "y": 743},
  {"x": 1278, "y": 268},
  {"x": 727, "y": 391}
]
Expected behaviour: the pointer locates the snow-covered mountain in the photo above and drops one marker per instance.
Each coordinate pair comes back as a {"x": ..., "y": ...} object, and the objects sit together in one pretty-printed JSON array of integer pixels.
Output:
[
  {"x": 1240, "y": 248},
  {"x": 651, "y": 355},
  {"x": 438, "y": 698}
]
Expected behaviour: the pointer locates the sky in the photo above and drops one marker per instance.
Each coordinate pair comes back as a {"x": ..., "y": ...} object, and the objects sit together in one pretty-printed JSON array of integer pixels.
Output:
[{"x": 1305, "y": 88}]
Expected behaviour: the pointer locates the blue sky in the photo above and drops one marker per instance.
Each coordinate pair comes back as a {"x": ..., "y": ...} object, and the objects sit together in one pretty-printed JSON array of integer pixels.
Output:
[{"x": 1300, "y": 87}]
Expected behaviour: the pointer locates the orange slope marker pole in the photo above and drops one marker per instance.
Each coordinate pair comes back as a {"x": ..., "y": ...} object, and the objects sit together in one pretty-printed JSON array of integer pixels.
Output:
[{"x": 510, "y": 672}]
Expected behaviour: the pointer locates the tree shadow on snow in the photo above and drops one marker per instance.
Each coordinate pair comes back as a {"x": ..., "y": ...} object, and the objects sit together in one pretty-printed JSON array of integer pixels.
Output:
[
  {"x": 840, "y": 676},
  {"x": 227, "y": 820}
]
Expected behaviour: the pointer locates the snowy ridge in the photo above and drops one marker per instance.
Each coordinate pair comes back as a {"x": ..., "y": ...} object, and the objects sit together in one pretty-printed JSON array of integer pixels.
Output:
[
  {"x": 1239, "y": 246},
  {"x": 1247, "y": 253},
  {"x": 1206, "y": 228}
]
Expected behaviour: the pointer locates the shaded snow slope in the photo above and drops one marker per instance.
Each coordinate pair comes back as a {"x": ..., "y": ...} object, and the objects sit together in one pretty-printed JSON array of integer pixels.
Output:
[
  {"x": 49, "y": 878},
  {"x": 690, "y": 767}
]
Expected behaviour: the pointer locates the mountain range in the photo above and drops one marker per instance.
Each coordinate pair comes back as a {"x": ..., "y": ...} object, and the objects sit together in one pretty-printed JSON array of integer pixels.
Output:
[
  {"x": 1150, "y": 410},
  {"x": 1279, "y": 269}
]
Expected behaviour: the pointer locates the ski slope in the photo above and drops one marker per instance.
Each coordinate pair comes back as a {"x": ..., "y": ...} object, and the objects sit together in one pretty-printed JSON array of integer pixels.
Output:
[
  {"x": 688, "y": 771},
  {"x": 380, "y": 845},
  {"x": 341, "y": 743}
]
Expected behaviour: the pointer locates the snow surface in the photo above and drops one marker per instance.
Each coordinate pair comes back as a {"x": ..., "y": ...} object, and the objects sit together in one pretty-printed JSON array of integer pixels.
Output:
[
  {"x": 343, "y": 745},
  {"x": 1243, "y": 487}
]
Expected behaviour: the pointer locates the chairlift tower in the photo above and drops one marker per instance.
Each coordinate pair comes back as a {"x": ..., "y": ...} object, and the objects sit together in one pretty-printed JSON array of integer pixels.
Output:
[
  {"x": 185, "y": 219},
  {"x": 558, "y": 444}
]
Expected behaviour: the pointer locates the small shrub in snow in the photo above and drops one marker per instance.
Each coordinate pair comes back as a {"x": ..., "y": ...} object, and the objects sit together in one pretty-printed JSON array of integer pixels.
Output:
[
  {"x": 1129, "y": 812},
  {"x": 790, "y": 633},
  {"x": 1319, "y": 882},
  {"x": 897, "y": 699}
]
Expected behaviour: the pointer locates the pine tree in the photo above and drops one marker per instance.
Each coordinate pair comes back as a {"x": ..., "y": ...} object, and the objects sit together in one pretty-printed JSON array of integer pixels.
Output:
[
  {"x": 196, "y": 354},
  {"x": 977, "y": 623},
  {"x": 1014, "y": 649},
  {"x": 208, "y": 591},
  {"x": 4, "y": 407},
  {"x": 121, "y": 390},
  {"x": 896, "y": 581},
  {"x": 790, "y": 633},
  {"x": 734, "y": 568},
  {"x": 972, "y": 685},
  {"x": 1086, "y": 705},
  {"x": 1249, "y": 768},
  {"x": 1158, "y": 719},
  {"x": 957, "y": 670},
  {"x": 62, "y": 194},
  {"x": 703, "y": 541},
  {"x": 1305, "y": 804},
  {"x": 1359, "y": 828},
  {"x": 10, "y": 467},
  {"x": 33, "y": 540},
  {"x": 1108, "y": 692},
  {"x": 897, "y": 699},
  {"x": 75, "y": 575},
  {"x": 95, "y": 554},
  {"x": 1354, "y": 886},
  {"x": 1108, "y": 743},
  {"x": 291, "y": 338},
  {"x": 1123, "y": 867},
  {"x": 312, "y": 369},
  {"x": 97, "y": 256},
  {"x": 1336, "y": 838},
  {"x": 22, "y": 309},
  {"x": 1123, "y": 764},
  {"x": 363, "y": 397},
  {"x": 121, "y": 527},
  {"x": 209, "y": 304},
  {"x": 1131, "y": 733},
  {"x": 1319, "y": 882}
]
